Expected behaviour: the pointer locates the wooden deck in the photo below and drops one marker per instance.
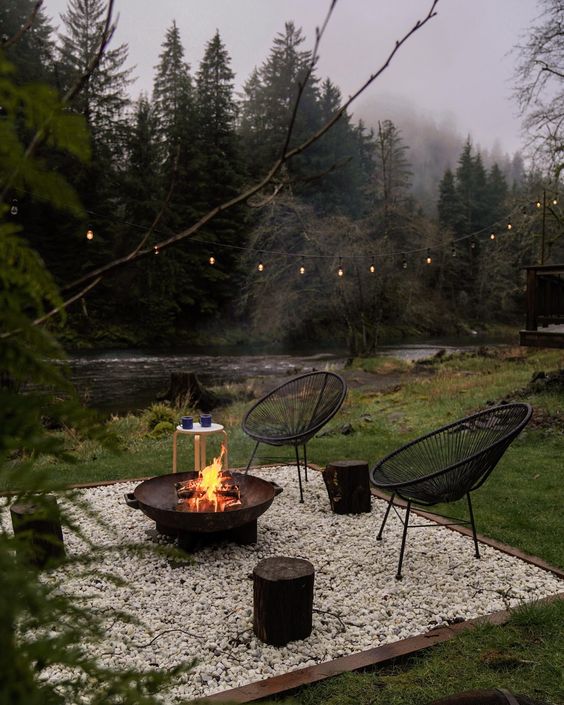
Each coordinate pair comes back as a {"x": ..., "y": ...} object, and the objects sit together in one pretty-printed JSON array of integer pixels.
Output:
[{"x": 545, "y": 307}]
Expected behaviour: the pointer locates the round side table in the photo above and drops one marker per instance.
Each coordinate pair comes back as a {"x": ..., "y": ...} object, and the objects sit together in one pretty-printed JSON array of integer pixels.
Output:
[{"x": 200, "y": 433}]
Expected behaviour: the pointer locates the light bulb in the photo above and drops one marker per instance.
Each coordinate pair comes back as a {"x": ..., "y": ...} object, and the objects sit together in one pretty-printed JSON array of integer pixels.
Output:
[
  {"x": 14, "y": 207},
  {"x": 538, "y": 204},
  {"x": 428, "y": 259},
  {"x": 89, "y": 234},
  {"x": 340, "y": 272},
  {"x": 492, "y": 236},
  {"x": 555, "y": 201},
  {"x": 156, "y": 249},
  {"x": 302, "y": 269},
  {"x": 472, "y": 244},
  {"x": 404, "y": 263},
  {"x": 260, "y": 267},
  {"x": 509, "y": 226},
  {"x": 372, "y": 268},
  {"x": 453, "y": 252},
  {"x": 212, "y": 260}
]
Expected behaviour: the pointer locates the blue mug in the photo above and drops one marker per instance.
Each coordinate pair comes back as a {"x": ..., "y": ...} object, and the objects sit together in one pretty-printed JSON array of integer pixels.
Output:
[
  {"x": 187, "y": 422},
  {"x": 205, "y": 420}
]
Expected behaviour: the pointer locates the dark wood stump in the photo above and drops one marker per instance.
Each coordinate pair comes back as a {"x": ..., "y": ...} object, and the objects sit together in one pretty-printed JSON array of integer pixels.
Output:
[
  {"x": 348, "y": 486},
  {"x": 39, "y": 527},
  {"x": 186, "y": 390},
  {"x": 283, "y": 599}
]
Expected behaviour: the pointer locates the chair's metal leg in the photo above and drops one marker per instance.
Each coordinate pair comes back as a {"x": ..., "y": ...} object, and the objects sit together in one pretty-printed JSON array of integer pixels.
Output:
[
  {"x": 305, "y": 461},
  {"x": 473, "y": 525},
  {"x": 299, "y": 475},
  {"x": 406, "y": 522},
  {"x": 252, "y": 458},
  {"x": 379, "y": 537}
]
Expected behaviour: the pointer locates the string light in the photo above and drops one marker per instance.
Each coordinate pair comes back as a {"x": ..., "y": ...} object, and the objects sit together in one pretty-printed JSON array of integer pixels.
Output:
[
  {"x": 472, "y": 244},
  {"x": 453, "y": 251},
  {"x": 89, "y": 233},
  {"x": 404, "y": 262},
  {"x": 340, "y": 270},
  {"x": 14, "y": 207},
  {"x": 260, "y": 266},
  {"x": 492, "y": 236},
  {"x": 156, "y": 249},
  {"x": 428, "y": 259},
  {"x": 302, "y": 267},
  {"x": 372, "y": 267},
  {"x": 555, "y": 201},
  {"x": 212, "y": 260},
  {"x": 509, "y": 226},
  {"x": 538, "y": 204}
]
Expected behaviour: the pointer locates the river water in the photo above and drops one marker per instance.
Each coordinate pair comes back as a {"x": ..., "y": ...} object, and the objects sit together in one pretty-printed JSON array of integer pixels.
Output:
[{"x": 126, "y": 380}]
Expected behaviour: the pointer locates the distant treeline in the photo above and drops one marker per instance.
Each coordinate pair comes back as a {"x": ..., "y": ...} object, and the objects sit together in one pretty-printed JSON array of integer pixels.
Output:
[{"x": 344, "y": 243}]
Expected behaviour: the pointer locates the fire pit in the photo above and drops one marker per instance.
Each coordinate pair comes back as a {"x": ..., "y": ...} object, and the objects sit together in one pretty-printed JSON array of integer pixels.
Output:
[{"x": 183, "y": 507}]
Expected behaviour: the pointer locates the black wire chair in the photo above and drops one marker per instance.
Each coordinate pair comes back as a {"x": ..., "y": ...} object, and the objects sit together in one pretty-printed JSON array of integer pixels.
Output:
[
  {"x": 446, "y": 464},
  {"x": 294, "y": 412}
]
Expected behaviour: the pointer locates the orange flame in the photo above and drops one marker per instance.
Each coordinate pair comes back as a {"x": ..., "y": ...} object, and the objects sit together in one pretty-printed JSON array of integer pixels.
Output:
[{"x": 210, "y": 478}]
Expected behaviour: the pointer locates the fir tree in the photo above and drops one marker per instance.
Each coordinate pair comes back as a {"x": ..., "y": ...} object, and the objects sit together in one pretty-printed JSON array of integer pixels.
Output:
[
  {"x": 33, "y": 54},
  {"x": 104, "y": 99}
]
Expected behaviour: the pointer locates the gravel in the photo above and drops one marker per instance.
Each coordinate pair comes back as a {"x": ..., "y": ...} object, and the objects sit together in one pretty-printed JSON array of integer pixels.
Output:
[{"x": 203, "y": 609}]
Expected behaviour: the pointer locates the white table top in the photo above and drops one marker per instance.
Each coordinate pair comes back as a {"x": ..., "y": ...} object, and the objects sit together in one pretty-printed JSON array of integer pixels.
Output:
[{"x": 199, "y": 429}]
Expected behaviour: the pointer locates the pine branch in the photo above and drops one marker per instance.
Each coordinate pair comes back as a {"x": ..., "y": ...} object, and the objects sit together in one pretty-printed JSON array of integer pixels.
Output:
[{"x": 24, "y": 28}]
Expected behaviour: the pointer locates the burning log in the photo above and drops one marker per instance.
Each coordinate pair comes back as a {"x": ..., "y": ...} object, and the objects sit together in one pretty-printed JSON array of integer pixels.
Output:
[{"x": 213, "y": 490}]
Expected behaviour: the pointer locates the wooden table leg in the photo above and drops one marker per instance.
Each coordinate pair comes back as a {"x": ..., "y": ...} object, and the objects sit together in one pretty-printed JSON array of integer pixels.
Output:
[
  {"x": 174, "y": 436},
  {"x": 226, "y": 456},
  {"x": 197, "y": 456}
]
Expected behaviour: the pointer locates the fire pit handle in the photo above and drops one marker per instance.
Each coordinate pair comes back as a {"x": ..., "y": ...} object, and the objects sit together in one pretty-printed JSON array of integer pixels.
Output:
[
  {"x": 131, "y": 500},
  {"x": 277, "y": 488}
]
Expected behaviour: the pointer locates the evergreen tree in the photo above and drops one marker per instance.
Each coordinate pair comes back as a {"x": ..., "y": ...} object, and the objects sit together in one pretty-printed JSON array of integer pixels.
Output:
[
  {"x": 32, "y": 55},
  {"x": 448, "y": 206},
  {"x": 337, "y": 159},
  {"x": 220, "y": 168},
  {"x": 103, "y": 100},
  {"x": 268, "y": 101}
]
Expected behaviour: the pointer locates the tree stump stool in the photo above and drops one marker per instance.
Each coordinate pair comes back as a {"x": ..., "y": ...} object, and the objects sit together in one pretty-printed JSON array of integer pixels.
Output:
[
  {"x": 39, "y": 526},
  {"x": 348, "y": 486},
  {"x": 283, "y": 599}
]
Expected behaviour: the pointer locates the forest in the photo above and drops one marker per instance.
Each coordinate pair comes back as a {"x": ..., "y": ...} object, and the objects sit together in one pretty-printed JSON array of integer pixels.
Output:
[{"x": 352, "y": 243}]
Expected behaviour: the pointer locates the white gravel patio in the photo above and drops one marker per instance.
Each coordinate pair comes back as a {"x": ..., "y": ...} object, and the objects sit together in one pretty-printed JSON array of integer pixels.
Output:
[{"x": 358, "y": 604}]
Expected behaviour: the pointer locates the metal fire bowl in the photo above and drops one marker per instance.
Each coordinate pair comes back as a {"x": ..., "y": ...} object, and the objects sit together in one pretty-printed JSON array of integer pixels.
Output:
[{"x": 157, "y": 499}]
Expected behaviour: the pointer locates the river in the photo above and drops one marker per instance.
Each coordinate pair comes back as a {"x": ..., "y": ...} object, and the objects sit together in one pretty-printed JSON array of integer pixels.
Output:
[{"x": 125, "y": 380}]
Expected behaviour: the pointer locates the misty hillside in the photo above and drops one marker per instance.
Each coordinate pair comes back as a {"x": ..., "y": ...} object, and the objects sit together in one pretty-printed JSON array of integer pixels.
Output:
[{"x": 433, "y": 146}]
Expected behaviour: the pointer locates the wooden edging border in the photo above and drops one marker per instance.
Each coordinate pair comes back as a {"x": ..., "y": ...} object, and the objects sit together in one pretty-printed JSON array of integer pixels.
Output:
[{"x": 380, "y": 655}]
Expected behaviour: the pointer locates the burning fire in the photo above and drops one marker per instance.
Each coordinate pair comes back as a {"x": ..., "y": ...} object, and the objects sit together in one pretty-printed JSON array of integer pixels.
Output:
[{"x": 214, "y": 490}]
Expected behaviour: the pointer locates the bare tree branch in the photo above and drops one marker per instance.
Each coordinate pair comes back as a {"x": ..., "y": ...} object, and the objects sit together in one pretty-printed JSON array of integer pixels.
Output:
[
  {"x": 273, "y": 171},
  {"x": 24, "y": 28}
]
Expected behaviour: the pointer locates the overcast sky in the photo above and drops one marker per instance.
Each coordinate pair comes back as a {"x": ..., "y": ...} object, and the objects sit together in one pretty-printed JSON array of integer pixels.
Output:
[{"x": 458, "y": 68}]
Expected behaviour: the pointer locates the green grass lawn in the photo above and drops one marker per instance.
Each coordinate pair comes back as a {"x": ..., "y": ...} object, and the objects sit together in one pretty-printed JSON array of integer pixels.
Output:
[{"x": 520, "y": 504}]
